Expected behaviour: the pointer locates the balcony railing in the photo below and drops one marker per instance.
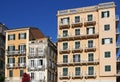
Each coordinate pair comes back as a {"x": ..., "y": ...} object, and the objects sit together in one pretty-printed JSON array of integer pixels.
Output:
[
  {"x": 64, "y": 26},
  {"x": 90, "y": 22},
  {"x": 15, "y": 53},
  {"x": 36, "y": 55},
  {"x": 64, "y": 75},
  {"x": 92, "y": 61},
  {"x": 16, "y": 65},
  {"x": 67, "y": 50},
  {"x": 61, "y": 63},
  {"x": 63, "y": 38},
  {"x": 118, "y": 72},
  {"x": 77, "y": 75},
  {"x": 35, "y": 68},
  {"x": 90, "y": 74},
  {"x": 94, "y": 35},
  {"x": 77, "y": 24},
  {"x": 90, "y": 48},
  {"x": 77, "y": 49}
]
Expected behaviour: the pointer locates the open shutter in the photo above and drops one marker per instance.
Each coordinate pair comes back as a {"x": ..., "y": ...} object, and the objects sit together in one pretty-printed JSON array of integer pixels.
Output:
[
  {"x": 13, "y": 36},
  {"x": 24, "y": 35},
  {"x": 8, "y": 60},
  {"x": 18, "y": 60},
  {"x": 8, "y": 37},
  {"x": 19, "y": 36},
  {"x": 108, "y": 13},
  {"x": 13, "y": 60}
]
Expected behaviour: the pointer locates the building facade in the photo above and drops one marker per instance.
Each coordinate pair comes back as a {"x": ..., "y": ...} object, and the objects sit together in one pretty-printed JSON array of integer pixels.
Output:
[
  {"x": 87, "y": 44},
  {"x": 16, "y": 55},
  {"x": 42, "y": 60},
  {"x": 2, "y": 49}
]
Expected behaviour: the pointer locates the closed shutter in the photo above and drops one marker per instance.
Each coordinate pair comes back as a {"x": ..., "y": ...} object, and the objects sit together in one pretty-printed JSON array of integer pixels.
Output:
[
  {"x": 19, "y": 36},
  {"x": 108, "y": 13},
  {"x": 8, "y": 37},
  {"x": 13, "y": 36}
]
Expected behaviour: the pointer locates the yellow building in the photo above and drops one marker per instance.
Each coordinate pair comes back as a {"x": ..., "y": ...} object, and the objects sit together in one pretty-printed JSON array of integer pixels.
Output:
[
  {"x": 87, "y": 44},
  {"x": 16, "y": 54}
]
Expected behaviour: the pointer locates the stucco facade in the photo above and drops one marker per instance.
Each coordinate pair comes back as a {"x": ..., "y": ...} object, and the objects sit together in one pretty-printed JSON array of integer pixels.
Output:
[{"x": 87, "y": 44}]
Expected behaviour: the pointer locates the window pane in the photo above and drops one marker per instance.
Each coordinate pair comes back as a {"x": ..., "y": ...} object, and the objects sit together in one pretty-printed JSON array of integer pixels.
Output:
[
  {"x": 90, "y": 70},
  {"x": 77, "y": 31},
  {"x": 65, "y": 58},
  {"x": 107, "y": 68},
  {"x": 77, "y": 45},
  {"x": 65, "y": 33},
  {"x": 77, "y": 19},
  {"x": 89, "y": 17},
  {"x": 77, "y": 71},
  {"x": 65, "y": 46},
  {"x": 107, "y": 54},
  {"x": 90, "y": 57},
  {"x": 65, "y": 71}
]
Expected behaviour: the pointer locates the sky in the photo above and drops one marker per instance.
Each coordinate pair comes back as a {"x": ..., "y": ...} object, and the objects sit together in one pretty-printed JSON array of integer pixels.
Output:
[{"x": 41, "y": 13}]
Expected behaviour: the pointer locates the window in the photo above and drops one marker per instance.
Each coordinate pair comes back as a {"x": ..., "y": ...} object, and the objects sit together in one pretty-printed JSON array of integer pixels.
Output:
[
  {"x": 11, "y": 48},
  {"x": 77, "y": 31},
  {"x": 77, "y": 19},
  {"x": 21, "y": 73},
  {"x": 11, "y": 60},
  {"x": 105, "y": 14},
  {"x": 76, "y": 58},
  {"x": 107, "y": 40},
  {"x": 90, "y": 57},
  {"x": 106, "y": 27},
  {"x": 91, "y": 70},
  {"x": 32, "y": 75},
  {"x": 77, "y": 45},
  {"x": 32, "y": 51},
  {"x": 32, "y": 63},
  {"x": 40, "y": 62},
  {"x": 107, "y": 54},
  {"x": 10, "y": 73},
  {"x": 22, "y": 35},
  {"x": 77, "y": 71},
  {"x": 91, "y": 30},
  {"x": 21, "y": 60},
  {"x": 65, "y": 46},
  {"x": 65, "y": 58},
  {"x": 90, "y": 17},
  {"x": 40, "y": 50},
  {"x": 11, "y": 37},
  {"x": 65, "y": 33},
  {"x": 65, "y": 21},
  {"x": 65, "y": 71},
  {"x": 90, "y": 44},
  {"x": 107, "y": 68},
  {"x": 1, "y": 64},
  {"x": 22, "y": 48}
]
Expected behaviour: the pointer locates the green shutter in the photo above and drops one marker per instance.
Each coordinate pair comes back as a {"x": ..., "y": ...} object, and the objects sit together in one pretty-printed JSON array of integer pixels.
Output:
[
  {"x": 111, "y": 40},
  {"x": 18, "y": 60},
  {"x": 19, "y": 47},
  {"x": 14, "y": 36},
  {"x": 103, "y": 41},
  {"x": 8, "y": 48},
  {"x": 13, "y": 48},
  {"x": 24, "y": 35},
  {"x": 24, "y": 47},
  {"x": 102, "y": 14},
  {"x": 19, "y": 36},
  {"x": 8, "y": 60},
  {"x": 8, "y": 37},
  {"x": 108, "y": 13},
  {"x": 13, "y": 60}
]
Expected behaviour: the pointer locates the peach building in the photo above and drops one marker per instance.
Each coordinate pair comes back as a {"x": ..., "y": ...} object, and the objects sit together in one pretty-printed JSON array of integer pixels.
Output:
[
  {"x": 87, "y": 44},
  {"x": 17, "y": 51}
]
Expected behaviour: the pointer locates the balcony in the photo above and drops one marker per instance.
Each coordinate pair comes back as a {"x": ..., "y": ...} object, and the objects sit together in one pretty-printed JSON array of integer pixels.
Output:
[
  {"x": 15, "y": 53},
  {"x": 61, "y": 63},
  {"x": 118, "y": 73},
  {"x": 35, "y": 55},
  {"x": 76, "y": 61},
  {"x": 77, "y": 75},
  {"x": 17, "y": 65},
  {"x": 64, "y": 76},
  {"x": 78, "y": 37},
  {"x": 66, "y": 50},
  {"x": 77, "y": 24},
  {"x": 36, "y": 68},
  {"x": 77, "y": 49},
  {"x": 90, "y": 22},
  {"x": 90, "y": 74},
  {"x": 92, "y": 61},
  {"x": 90, "y": 48},
  {"x": 94, "y": 35},
  {"x": 64, "y": 26},
  {"x": 63, "y": 38}
]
